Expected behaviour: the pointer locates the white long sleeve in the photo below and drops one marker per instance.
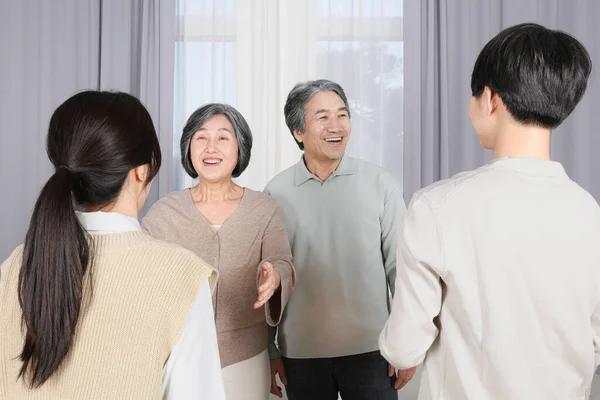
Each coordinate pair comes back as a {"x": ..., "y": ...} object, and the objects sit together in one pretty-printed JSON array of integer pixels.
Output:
[
  {"x": 410, "y": 330},
  {"x": 596, "y": 332},
  {"x": 193, "y": 370}
]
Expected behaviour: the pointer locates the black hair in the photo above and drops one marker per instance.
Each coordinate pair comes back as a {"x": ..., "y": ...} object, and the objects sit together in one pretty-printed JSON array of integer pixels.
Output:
[
  {"x": 243, "y": 135},
  {"x": 295, "y": 105},
  {"x": 94, "y": 140},
  {"x": 540, "y": 74}
]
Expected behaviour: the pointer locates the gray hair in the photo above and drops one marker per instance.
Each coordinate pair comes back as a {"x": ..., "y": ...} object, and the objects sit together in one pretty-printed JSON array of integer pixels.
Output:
[
  {"x": 295, "y": 105},
  {"x": 243, "y": 135}
]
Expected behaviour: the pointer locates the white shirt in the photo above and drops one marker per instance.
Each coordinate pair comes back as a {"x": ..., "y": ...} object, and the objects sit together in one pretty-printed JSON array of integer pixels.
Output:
[
  {"x": 505, "y": 261},
  {"x": 193, "y": 370}
]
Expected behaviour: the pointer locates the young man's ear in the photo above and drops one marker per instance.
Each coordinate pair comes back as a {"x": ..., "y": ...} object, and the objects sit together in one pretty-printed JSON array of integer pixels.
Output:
[{"x": 491, "y": 101}]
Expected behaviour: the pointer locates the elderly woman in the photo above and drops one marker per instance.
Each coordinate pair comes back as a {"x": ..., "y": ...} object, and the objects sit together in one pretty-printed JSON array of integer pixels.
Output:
[{"x": 240, "y": 232}]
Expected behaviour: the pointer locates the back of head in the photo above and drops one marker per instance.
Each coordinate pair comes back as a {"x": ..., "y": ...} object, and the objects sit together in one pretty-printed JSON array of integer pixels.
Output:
[
  {"x": 94, "y": 140},
  {"x": 540, "y": 74}
]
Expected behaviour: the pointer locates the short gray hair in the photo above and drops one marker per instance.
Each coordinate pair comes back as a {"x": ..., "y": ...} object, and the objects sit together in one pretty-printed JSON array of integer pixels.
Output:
[
  {"x": 295, "y": 105},
  {"x": 243, "y": 135}
]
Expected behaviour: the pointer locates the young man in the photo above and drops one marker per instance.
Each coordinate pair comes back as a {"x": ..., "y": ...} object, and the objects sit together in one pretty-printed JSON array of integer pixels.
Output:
[
  {"x": 498, "y": 275},
  {"x": 341, "y": 215}
]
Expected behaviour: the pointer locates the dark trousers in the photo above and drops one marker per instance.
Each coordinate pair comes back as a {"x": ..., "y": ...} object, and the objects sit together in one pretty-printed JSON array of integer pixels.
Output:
[{"x": 358, "y": 377}]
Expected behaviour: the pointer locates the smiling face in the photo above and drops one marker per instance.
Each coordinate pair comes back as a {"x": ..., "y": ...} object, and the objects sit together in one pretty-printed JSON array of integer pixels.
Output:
[
  {"x": 214, "y": 149},
  {"x": 326, "y": 127}
]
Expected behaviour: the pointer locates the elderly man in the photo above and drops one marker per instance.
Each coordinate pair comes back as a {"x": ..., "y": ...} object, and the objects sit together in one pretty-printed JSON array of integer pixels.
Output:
[{"x": 341, "y": 215}]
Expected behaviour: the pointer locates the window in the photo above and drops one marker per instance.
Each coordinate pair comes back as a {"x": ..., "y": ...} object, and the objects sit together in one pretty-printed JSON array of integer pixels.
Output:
[
  {"x": 358, "y": 44},
  {"x": 205, "y": 63}
]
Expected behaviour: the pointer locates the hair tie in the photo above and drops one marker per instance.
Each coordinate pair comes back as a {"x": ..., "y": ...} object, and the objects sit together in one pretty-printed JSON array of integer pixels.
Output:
[{"x": 65, "y": 167}]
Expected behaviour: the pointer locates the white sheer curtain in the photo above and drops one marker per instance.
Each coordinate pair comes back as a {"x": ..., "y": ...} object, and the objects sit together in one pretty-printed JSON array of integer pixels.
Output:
[
  {"x": 250, "y": 53},
  {"x": 360, "y": 46}
]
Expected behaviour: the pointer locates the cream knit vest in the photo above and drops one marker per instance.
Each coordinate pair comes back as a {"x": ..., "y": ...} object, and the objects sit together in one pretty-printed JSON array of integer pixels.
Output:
[{"x": 143, "y": 290}]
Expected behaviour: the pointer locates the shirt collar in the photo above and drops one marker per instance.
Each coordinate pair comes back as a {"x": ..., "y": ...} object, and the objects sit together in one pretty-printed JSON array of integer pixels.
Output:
[
  {"x": 101, "y": 223},
  {"x": 530, "y": 166},
  {"x": 346, "y": 167}
]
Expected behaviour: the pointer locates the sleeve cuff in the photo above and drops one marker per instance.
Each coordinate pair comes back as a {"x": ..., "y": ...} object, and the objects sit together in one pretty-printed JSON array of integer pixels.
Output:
[
  {"x": 276, "y": 305},
  {"x": 402, "y": 358}
]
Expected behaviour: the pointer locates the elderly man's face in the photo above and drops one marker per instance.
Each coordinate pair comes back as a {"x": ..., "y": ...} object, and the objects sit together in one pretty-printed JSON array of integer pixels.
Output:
[
  {"x": 327, "y": 127},
  {"x": 214, "y": 149}
]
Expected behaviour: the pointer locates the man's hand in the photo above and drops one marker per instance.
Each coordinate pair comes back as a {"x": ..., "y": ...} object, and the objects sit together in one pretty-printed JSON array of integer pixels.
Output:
[
  {"x": 404, "y": 376},
  {"x": 269, "y": 282},
  {"x": 277, "y": 368}
]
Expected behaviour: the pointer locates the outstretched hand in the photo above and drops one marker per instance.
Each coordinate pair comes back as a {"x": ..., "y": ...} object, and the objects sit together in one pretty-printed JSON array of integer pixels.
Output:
[{"x": 269, "y": 283}]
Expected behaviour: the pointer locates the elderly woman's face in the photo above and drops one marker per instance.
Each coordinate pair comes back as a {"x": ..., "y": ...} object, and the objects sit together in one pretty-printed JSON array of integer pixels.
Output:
[{"x": 214, "y": 149}]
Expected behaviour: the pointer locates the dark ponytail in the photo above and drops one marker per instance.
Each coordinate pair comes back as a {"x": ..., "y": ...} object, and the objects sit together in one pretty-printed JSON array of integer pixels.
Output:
[
  {"x": 56, "y": 237},
  {"x": 94, "y": 140}
]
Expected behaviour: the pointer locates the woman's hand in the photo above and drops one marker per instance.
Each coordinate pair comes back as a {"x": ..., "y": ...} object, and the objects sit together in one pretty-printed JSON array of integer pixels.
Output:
[{"x": 269, "y": 283}]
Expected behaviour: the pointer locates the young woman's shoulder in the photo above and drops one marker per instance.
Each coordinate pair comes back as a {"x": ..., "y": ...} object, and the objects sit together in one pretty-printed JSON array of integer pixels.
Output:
[
  {"x": 11, "y": 266},
  {"x": 176, "y": 261}
]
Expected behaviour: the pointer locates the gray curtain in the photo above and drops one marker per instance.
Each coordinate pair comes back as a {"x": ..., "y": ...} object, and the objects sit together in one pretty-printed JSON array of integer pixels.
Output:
[
  {"x": 52, "y": 49},
  {"x": 442, "y": 39},
  {"x": 137, "y": 56}
]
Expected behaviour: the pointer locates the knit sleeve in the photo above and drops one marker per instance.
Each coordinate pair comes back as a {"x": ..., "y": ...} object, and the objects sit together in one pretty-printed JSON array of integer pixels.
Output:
[
  {"x": 9, "y": 271},
  {"x": 3, "y": 306},
  {"x": 276, "y": 250},
  {"x": 390, "y": 221}
]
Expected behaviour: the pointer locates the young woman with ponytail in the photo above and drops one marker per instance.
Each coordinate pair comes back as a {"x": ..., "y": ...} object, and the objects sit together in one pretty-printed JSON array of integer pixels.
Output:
[{"x": 91, "y": 307}]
